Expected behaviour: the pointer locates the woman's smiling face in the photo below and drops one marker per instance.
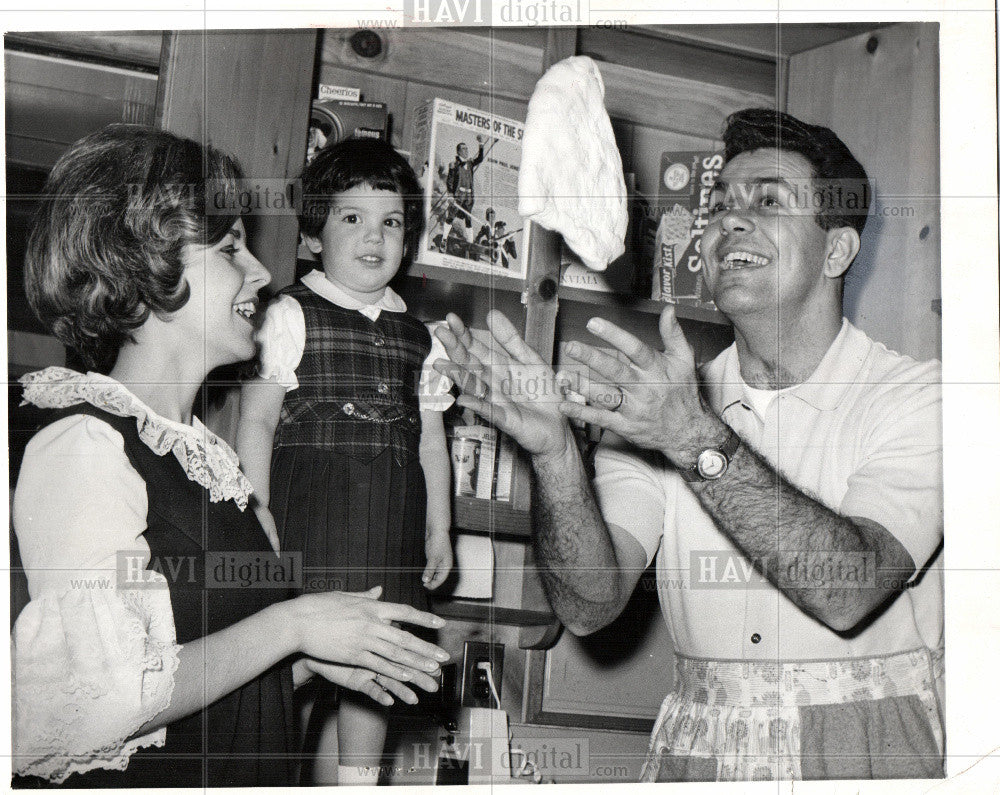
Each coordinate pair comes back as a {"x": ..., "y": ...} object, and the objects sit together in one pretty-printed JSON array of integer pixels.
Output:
[{"x": 224, "y": 279}]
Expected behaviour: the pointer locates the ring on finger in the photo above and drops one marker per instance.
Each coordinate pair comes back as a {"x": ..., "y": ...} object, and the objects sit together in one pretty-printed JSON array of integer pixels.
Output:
[
  {"x": 376, "y": 679},
  {"x": 621, "y": 399},
  {"x": 482, "y": 391}
]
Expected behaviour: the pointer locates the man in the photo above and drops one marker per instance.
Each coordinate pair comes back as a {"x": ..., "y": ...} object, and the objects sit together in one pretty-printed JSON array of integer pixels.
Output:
[
  {"x": 461, "y": 181},
  {"x": 504, "y": 248},
  {"x": 808, "y": 464}
]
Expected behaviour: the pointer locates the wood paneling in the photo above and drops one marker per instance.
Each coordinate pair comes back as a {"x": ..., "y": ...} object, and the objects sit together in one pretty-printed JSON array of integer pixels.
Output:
[
  {"x": 247, "y": 93},
  {"x": 773, "y": 42},
  {"x": 879, "y": 93},
  {"x": 444, "y": 58},
  {"x": 640, "y": 48},
  {"x": 673, "y": 103},
  {"x": 133, "y": 48}
]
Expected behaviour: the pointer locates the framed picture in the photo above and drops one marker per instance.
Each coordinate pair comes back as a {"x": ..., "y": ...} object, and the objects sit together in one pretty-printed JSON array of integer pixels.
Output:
[{"x": 614, "y": 679}]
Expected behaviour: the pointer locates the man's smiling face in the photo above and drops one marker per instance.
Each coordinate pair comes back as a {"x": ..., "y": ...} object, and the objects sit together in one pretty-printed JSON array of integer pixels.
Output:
[{"x": 763, "y": 248}]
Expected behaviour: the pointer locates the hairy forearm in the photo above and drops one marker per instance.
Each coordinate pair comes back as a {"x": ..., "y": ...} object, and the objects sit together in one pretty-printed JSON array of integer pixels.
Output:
[
  {"x": 834, "y": 568},
  {"x": 573, "y": 549}
]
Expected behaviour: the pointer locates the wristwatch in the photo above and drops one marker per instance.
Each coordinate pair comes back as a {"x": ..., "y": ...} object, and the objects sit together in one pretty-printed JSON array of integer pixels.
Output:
[{"x": 713, "y": 461}]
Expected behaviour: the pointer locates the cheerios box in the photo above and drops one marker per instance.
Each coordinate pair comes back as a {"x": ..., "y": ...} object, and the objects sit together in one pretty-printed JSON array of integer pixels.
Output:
[{"x": 686, "y": 180}]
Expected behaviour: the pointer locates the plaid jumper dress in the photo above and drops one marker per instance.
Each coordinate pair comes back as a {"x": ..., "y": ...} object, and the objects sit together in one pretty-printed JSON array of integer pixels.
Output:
[{"x": 347, "y": 488}]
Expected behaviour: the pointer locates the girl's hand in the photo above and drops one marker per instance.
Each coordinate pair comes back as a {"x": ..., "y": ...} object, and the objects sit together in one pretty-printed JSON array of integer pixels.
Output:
[
  {"x": 356, "y": 629},
  {"x": 379, "y": 687},
  {"x": 440, "y": 558}
]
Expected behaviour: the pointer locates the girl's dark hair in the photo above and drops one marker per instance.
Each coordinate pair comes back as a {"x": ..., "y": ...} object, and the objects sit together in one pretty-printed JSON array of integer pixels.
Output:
[
  {"x": 834, "y": 167},
  {"x": 359, "y": 161},
  {"x": 108, "y": 238}
]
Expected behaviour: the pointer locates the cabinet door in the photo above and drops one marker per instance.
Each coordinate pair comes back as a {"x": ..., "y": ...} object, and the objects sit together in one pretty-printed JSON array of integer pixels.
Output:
[
  {"x": 247, "y": 93},
  {"x": 879, "y": 91}
]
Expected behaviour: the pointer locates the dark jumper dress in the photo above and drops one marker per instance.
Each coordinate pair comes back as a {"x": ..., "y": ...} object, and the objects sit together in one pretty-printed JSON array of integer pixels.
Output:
[
  {"x": 347, "y": 488},
  {"x": 246, "y": 738}
]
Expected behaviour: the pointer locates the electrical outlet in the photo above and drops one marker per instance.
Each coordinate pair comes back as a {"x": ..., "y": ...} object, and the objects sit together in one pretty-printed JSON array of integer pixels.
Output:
[{"x": 475, "y": 685}]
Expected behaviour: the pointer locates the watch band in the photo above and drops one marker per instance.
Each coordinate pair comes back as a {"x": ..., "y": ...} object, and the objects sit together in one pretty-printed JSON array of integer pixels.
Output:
[{"x": 713, "y": 462}]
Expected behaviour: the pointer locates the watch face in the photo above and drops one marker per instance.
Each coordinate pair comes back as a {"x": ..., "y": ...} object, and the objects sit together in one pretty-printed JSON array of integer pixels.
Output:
[{"x": 712, "y": 464}]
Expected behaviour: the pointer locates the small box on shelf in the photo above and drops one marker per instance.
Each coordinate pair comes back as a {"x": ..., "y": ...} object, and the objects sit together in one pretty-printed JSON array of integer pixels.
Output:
[{"x": 680, "y": 217}]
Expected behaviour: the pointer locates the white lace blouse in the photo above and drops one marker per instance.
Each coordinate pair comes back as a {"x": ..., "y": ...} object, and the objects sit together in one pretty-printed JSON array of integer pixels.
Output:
[{"x": 92, "y": 661}]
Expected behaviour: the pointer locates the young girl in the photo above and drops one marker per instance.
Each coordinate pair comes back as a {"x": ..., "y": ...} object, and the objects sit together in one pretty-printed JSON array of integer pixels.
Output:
[{"x": 359, "y": 476}]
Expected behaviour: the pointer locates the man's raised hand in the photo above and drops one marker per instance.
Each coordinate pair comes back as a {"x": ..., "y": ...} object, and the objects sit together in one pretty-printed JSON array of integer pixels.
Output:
[
  {"x": 659, "y": 406},
  {"x": 506, "y": 382}
]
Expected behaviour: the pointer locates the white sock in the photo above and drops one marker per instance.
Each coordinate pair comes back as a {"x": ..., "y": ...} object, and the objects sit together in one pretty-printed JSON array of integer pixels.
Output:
[{"x": 357, "y": 775}]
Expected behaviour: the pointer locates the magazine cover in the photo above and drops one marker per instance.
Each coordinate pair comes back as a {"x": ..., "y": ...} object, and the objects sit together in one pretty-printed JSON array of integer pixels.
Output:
[
  {"x": 686, "y": 180},
  {"x": 468, "y": 162}
]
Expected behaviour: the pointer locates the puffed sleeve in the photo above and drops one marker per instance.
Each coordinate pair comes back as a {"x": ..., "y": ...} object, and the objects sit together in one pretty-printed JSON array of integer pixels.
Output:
[
  {"x": 94, "y": 652},
  {"x": 282, "y": 339},
  {"x": 435, "y": 389}
]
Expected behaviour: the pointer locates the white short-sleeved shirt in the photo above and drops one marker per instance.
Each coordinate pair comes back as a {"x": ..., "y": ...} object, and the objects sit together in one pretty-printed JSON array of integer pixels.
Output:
[
  {"x": 863, "y": 436},
  {"x": 283, "y": 338}
]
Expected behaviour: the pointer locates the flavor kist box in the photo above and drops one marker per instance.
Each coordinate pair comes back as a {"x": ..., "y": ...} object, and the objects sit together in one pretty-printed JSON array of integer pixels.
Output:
[{"x": 686, "y": 180}]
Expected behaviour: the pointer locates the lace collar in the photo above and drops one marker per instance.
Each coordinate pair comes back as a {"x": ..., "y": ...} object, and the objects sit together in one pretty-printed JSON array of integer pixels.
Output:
[{"x": 207, "y": 459}]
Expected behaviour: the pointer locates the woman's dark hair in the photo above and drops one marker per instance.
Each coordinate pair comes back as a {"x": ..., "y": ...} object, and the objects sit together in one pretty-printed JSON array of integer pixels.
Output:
[
  {"x": 842, "y": 181},
  {"x": 359, "y": 161},
  {"x": 107, "y": 242}
]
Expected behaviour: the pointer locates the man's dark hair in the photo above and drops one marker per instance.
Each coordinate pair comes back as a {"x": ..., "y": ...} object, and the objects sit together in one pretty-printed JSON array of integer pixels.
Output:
[
  {"x": 832, "y": 162},
  {"x": 359, "y": 161}
]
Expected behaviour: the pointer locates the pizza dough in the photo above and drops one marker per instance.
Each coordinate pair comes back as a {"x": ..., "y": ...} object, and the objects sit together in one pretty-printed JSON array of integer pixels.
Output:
[{"x": 571, "y": 172}]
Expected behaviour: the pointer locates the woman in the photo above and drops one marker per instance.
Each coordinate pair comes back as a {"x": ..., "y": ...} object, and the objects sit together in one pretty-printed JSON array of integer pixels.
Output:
[{"x": 158, "y": 644}]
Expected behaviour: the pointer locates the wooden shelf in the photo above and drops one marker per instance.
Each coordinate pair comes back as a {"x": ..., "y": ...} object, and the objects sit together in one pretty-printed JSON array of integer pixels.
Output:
[
  {"x": 635, "y": 304},
  {"x": 495, "y": 281},
  {"x": 443, "y": 276},
  {"x": 490, "y": 516}
]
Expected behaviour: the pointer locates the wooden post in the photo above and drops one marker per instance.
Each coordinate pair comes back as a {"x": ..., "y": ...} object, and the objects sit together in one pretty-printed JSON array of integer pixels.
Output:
[
  {"x": 247, "y": 93},
  {"x": 541, "y": 307}
]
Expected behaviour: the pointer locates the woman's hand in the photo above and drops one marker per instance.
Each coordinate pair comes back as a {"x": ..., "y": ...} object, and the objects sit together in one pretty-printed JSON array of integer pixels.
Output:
[
  {"x": 356, "y": 629},
  {"x": 440, "y": 558},
  {"x": 266, "y": 519},
  {"x": 379, "y": 687}
]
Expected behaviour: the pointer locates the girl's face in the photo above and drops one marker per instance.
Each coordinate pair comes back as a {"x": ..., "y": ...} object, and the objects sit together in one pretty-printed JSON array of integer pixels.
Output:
[
  {"x": 224, "y": 279},
  {"x": 361, "y": 243}
]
